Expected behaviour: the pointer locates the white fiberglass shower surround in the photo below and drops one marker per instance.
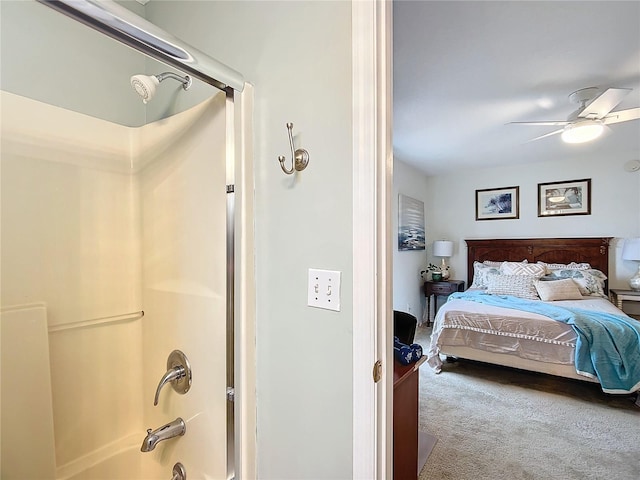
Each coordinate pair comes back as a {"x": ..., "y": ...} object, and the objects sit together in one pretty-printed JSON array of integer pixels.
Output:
[{"x": 121, "y": 245}]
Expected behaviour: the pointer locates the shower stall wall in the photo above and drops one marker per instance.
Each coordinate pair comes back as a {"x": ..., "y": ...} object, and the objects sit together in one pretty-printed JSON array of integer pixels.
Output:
[
  {"x": 114, "y": 251},
  {"x": 71, "y": 243},
  {"x": 120, "y": 245}
]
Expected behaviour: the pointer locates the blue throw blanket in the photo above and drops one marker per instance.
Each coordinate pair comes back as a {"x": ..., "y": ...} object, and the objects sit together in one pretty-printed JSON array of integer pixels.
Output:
[{"x": 608, "y": 345}]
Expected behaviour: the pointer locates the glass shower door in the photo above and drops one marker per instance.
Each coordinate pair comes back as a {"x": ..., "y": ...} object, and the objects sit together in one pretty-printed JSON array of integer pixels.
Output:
[
  {"x": 114, "y": 251},
  {"x": 183, "y": 205}
]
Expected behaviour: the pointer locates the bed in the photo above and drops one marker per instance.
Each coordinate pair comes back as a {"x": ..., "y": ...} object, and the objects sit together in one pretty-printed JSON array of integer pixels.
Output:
[{"x": 529, "y": 340}]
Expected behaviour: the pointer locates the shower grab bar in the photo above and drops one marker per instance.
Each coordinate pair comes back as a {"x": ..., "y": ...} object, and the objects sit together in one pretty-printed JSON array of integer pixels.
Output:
[
  {"x": 96, "y": 321},
  {"x": 119, "y": 23}
]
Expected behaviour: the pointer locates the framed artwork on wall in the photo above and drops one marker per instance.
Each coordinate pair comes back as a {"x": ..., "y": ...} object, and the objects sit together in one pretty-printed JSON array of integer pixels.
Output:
[
  {"x": 498, "y": 203},
  {"x": 569, "y": 197},
  {"x": 410, "y": 223}
]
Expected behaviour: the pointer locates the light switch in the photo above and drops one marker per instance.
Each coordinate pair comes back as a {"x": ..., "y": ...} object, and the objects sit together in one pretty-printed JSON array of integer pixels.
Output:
[{"x": 324, "y": 289}]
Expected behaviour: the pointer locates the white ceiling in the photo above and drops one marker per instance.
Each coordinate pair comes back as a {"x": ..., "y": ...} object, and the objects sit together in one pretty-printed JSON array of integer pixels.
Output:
[{"x": 464, "y": 69}]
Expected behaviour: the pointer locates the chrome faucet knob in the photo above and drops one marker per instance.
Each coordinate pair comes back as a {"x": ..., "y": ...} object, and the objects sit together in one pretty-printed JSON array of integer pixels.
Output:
[
  {"x": 179, "y": 472},
  {"x": 172, "y": 375},
  {"x": 178, "y": 374}
]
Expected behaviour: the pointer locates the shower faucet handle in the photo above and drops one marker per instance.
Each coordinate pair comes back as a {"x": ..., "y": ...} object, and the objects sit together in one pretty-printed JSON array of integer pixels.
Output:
[
  {"x": 178, "y": 374},
  {"x": 179, "y": 472},
  {"x": 172, "y": 375}
]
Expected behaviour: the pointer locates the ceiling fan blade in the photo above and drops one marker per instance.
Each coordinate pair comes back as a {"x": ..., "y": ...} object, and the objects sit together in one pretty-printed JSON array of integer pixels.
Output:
[
  {"x": 622, "y": 116},
  {"x": 550, "y": 122},
  {"x": 604, "y": 103},
  {"x": 555, "y": 132}
]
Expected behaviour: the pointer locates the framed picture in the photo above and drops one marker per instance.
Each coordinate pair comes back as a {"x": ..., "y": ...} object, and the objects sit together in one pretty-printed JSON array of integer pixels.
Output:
[
  {"x": 498, "y": 203},
  {"x": 410, "y": 223},
  {"x": 570, "y": 197}
]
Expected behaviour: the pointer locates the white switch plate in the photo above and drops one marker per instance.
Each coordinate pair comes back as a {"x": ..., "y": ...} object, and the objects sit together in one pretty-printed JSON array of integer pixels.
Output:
[{"x": 324, "y": 289}]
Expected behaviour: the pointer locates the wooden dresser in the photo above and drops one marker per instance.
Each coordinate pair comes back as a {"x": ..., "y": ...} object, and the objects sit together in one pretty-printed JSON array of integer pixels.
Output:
[{"x": 405, "y": 420}]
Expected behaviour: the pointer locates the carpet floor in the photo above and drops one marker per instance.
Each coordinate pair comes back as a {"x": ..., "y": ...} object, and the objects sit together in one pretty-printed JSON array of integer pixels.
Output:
[{"x": 498, "y": 423}]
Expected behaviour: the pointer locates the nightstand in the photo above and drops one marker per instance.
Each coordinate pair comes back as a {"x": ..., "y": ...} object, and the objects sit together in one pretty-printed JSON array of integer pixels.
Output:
[
  {"x": 618, "y": 296},
  {"x": 440, "y": 289}
]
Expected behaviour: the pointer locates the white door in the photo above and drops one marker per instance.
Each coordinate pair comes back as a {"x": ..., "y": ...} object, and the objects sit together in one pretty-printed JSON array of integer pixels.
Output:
[{"x": 184, "y": 270}]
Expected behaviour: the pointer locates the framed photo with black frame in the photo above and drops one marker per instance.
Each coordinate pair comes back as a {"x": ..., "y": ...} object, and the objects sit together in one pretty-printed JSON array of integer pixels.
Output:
[
  {"x": 498, "y": 203},
  {"x": 569, "y": 197}
]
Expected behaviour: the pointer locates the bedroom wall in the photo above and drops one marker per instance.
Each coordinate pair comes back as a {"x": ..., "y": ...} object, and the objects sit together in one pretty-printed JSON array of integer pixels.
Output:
[
  {"x": 408, "y": 295},
  {"x": 615, "y": 207}
]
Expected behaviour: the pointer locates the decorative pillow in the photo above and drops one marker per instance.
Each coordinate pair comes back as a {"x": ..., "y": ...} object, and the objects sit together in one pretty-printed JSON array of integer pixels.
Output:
[
  {"x": 517, "y": 285},
  {"x": 568, "y": 266},
  {"x": 516, "y": 268},
  {"x": 562, "y": 289},
  {"x": 590, "y": 282},
  {"x": 491, "y": 263},
  {"x": 549, "y": 278},
  {"x": 497, "y": 264},
  {"x": 480, "y": 273}
]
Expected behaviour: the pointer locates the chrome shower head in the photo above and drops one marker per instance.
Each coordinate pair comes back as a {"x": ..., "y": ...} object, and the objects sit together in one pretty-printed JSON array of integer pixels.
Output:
[{"x": 145, "y": 85}]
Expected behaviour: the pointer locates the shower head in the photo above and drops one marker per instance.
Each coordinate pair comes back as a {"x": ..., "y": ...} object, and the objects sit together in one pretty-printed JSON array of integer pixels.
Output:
[{"x": 145, "y": 85}]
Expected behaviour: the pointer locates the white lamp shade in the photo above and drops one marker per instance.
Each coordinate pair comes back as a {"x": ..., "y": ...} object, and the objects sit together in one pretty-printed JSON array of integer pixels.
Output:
[
  {"x": 442, "y": 248},
  {"x": 631, "y": 249}
]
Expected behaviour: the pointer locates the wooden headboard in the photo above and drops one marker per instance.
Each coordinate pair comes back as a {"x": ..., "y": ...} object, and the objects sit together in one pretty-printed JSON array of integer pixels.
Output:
[{"x": 594, "y": 251}]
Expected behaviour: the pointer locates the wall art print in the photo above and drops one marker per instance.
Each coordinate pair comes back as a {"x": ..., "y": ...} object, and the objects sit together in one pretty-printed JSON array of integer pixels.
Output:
[
  {"x": 569, "y": 197},
  {"x": 498, "y": 203},
  {"x": 410, "y": 223}
]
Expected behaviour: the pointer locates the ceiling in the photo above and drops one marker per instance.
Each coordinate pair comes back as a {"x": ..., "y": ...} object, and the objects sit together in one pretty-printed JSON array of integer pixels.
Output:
[{"x": 463, "y": 70}]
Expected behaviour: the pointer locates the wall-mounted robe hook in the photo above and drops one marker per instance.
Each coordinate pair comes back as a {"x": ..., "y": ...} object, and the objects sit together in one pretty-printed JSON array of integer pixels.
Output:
[{"x": 300, "y": 156}]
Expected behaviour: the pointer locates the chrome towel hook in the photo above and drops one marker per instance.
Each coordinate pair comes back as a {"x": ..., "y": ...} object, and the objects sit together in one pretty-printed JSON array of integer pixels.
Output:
[{"x": 300, "y": 156}]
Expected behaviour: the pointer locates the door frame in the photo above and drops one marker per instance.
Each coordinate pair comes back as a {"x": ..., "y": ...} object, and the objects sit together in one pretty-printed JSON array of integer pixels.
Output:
[
  {"x": 240, "y": 159},
  {"x": 372, "y": 267}
]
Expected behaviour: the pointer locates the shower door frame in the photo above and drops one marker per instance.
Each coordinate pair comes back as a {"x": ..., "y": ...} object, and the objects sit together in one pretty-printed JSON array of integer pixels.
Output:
[
  {"x": 241, "y": 279},
  {"x": 129, "y": 29}
]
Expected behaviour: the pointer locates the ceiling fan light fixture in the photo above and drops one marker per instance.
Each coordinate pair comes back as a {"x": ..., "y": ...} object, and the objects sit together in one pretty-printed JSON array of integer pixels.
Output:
[{"x": 583, "y": 131}]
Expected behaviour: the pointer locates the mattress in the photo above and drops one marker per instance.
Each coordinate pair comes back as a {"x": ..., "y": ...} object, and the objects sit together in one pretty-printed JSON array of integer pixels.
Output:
[{"x": 497, "y": 330}]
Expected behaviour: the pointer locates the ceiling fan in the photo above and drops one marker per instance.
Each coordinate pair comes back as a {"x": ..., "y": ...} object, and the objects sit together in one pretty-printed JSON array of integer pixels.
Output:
[{"x": 595, "y": 111}]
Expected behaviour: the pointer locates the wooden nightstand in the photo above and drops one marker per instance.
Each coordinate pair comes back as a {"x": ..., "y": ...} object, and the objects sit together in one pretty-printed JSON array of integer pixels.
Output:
[
  {"x": 440, "y": 289},
  {"x": 618, "y": 296}
]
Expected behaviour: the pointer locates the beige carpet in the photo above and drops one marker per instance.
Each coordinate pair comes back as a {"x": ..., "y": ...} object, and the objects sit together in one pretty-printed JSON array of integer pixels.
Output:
[{"x": 497, "y": 423}]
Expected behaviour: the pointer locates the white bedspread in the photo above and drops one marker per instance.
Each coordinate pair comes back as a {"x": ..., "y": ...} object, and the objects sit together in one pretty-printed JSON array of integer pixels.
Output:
[{"x": 502, "y": 330}]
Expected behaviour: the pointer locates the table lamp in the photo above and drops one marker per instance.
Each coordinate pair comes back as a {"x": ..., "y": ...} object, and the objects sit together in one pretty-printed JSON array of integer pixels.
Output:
[
  {"x": 444, "y": 249},
  {"x": 631, "y": 251}
]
